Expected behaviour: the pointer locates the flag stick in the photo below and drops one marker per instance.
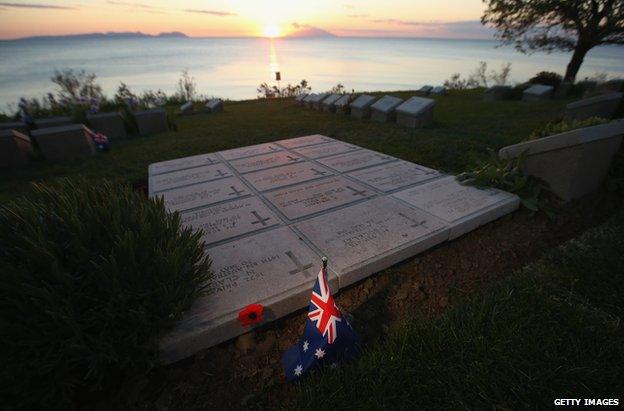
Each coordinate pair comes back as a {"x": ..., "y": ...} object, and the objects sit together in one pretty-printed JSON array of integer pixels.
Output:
[{"x": 324, "y": 259}]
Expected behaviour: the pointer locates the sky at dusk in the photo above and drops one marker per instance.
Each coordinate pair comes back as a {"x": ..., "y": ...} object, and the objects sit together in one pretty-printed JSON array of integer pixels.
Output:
[{"x": 233, "y": 18}]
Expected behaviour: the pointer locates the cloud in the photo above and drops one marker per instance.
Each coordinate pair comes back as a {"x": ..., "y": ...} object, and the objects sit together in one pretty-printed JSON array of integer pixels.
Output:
[
  {"x": 450, "y": 29},
  {"x": 132, "y": 4},
  {"x": 357, "y": 16},
  {"x": 35, "y": 6},
  {"x": 348, "y": 6},
  {"x": 211, "y": 12}
]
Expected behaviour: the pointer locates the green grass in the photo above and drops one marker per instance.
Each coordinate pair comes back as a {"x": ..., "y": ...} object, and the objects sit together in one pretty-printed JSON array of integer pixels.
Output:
[
  {"x": 465, "y": 126},
  {"x": 552, "y": 330}
]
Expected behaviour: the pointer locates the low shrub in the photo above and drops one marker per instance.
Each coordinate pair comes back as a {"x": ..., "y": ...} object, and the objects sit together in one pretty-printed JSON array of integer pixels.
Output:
[
  {"x": 547, "y": 78},
  {"x": 91, "y": 275},
  {"x": 565, "y": 125}
]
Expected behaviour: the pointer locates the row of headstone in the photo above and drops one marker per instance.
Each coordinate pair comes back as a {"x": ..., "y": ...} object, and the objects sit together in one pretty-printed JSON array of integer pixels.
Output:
[
  {"x": 269, "y": 212},
  {"x": 431, "y": 90},
  {"x": 603, "y": 106},
  {"x": 214, "y": 105},
  {"x": 414, "y": 113}
]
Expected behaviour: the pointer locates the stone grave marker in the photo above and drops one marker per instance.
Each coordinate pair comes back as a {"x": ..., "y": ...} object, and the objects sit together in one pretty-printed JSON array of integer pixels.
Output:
[
  {"x": 15, "y": 149},
  {"x": 329, "y": 104},
  {"x": 110, "y": 124},
  {"x": 182, "y": 163},
  {"x": 307, "y": 101},
  {"x": 604, "y": 105},
  {"x": 179, "y": 178},
  {"x": 353, "y": 161},
  {"x": 304, "y": 141},
  {"x": 463, "y": 208},
  {"x": 316, "y": 196},
  {"x": 17, "y": 126},
  {"x": 395, "y": 175},
  {"x": 249, "y": 151},
  {"x": 416, "y": 112},
  {"x": 280, "y": 158},
  {"x": 315, "y": 102},
  {"x": 64, "y": 143},
  {"x": 186, "y": 108},
  {"x": 300, "y": 98},
  {"x": 384, "y": 109},
  {"x": 425, "y": 89},
  {"x": 208, "y": 193},
  {"x": 214, "y": 105},
  {"x": 497, "y": 93},
  {"x": 232, "y": 219},
  {"x": 438, "y": 91},
  {"x": 275, "y": 268},
  {"x": 278, "y": 177},
  {"x": 537, "y": 92},
  {"x": 324, "y": 150},
  {"x": 342, "y": 104},
  {"x": 360, "y": 107},
  {"x": 151, "y": 121},
  {"x": 367, "y": 237},
  {"x": 52, "y": 122}
]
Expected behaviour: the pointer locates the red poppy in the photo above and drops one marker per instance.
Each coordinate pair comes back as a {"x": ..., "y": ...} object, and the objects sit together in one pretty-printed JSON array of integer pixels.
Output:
[{"x": 252, "y": 314}]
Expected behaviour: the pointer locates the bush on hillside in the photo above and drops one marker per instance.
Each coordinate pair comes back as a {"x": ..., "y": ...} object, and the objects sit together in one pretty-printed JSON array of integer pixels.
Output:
[
  {"x": 547, "y": 78},
  {"x": 91, "y": 275},
  {"x": 565, "y": 125}
]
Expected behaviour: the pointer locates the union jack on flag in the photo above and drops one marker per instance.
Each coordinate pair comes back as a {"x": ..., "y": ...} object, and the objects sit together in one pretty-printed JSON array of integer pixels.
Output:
[{"x": 328, "y": 337}]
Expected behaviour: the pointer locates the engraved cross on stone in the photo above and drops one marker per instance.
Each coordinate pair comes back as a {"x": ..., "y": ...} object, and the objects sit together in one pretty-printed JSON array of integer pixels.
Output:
[
  {"x": 357, "y": 192},
  {"x": 272, "y": 148},
  {"x": 317, "y": 172},
  {"x": 291, "y": 158},
  {"x": 300, "y": 267},
  {"x": 415, "y": 223},
  {"x": 236, "y": 192},
  {"x": 260, "y": 220},
  {"x": 221, "y": 173}
]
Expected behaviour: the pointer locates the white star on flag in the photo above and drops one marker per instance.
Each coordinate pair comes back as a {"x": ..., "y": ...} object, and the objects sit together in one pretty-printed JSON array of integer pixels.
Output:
[
  {"x": 319, "y": 353},
  {"x": 305, "y": 346},
  {"x": 298, "y": 370}
]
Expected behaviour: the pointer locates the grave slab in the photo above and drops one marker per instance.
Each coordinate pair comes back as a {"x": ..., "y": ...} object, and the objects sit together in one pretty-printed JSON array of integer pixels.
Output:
[
  {"x": 15, "y": 149},
  {"x": 52, "y": 122},
  {"x": 202, "y": 194},
  {"x": 274, "y": 268},
  {"x": 463, "y": 208},
  {"x": 214, "y": 106},
  {"x": 497, "y": 93},
  {"x": 537, "y": 92},
  {"x": 304, "y": 141},
  {"x": 368, "y": 237},
  {"x": 438, "y": 91},
  {"x": 329, "y": 104},
  {"x": 186, "y": 108},
  {"x": 324, "y": 150},
  {"x": 316, "y": 196},
  {"x": 64, "y": 143},
  {"x": 416, "y": 112},
  {"x": 425, "y": 89},
  {"x": 110, "y": 124},
  {"x": 151, "y": 121},
  {"x": 278, "y": 177},
  {"x": 360, "y": 107},
  {"x": 384, "y": 109},
  {"x": 175, "y": 179},
  {"x": 182, "y": 163},
  {"x": 249, "y": 151},
  {"x": 604, "y": 106},
  {"x": 393, "y": 176},
  {"x": 315, "y": 102},
  {"x": 353, "y": 161},
  {"x": 342, "y": 104},
  {"x": 280, "y": 158},
  {"x": 232, "y": 219},
  {"x": 300, "y": 98},
  {"x": 17, "y": 126},
  {"x": 307, "y": 101}
]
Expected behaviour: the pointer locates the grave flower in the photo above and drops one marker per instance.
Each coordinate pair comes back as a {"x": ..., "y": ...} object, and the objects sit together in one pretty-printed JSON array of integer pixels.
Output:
[{"x": 250, "y": 315}]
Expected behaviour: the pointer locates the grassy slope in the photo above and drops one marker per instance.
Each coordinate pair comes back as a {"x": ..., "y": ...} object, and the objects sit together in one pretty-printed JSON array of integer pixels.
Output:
[
  {"x": 464, "y": 127},
  {"x": 551, "y": 331}
]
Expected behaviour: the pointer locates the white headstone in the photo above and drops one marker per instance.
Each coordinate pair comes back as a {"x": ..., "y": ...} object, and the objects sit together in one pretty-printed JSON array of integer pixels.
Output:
[
  {"x": 329, "y": 102},
  {"x": 438, "y": 90},
  {"x": 360, "y": 107},
  {"x": 353, "y": 161},
  {"x": 416, "y": 112},
  {"x": 538, "y": 92},
  {"x": 202, "y": 194},
  {"x": 175, "y": 179},
  {"x": 186, "y": 108},
  {"x": 395, "y": 175},
  {"x": 214, "y": 105},
  {"x": 260, "y": 162},
  {"x": 285, "y": 175}
]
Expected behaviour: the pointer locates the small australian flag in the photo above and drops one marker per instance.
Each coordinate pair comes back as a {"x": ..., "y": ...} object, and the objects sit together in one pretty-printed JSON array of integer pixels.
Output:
[{"x": 328, "y": 337}]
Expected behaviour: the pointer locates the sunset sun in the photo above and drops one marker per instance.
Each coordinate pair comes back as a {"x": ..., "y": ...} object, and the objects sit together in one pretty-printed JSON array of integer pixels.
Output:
[{"x": 271, "y": 31}]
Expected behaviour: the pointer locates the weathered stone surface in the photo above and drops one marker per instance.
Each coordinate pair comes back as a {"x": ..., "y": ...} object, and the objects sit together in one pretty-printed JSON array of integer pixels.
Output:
[
  {"x": 316, "y": 196},
  {"x": 214, "y": 105},
  {"x": 229, "y": 220},
  {"x": 395, "y": 175},
  {"x": 463, "y": 208},
  {"x": 384, "y": 109},
  {"x": 604, "y": 105},
  {"x": 15, "y": 149},
  {"x": 274, "y": 268},
  {"x": 17, "y": 126},
  {"x": 186, "y": 108},
  {"x": 416, "y": 112},
  {"x": 438, "y": 91},
  {"x": 324, "y": 150},
  {"x": 249, "y": 151},
  {"x": 315, "y": 101},
  {"x": 260, "y": 162},
  {"x": 180, "y": 178},
  {"x": 285, "y": 175},
  {"x": 329, "y": 104},
  {"x": 300, "y": 98},
  {"x": 152, "y": 121},
  {"x": 537, "y": 92},
  {"x": 52, "y": 122},
  {"x": 360, "y": 107},
  {"x": 497, "y": 93},
  {"x": 342, "y": 104},
  {"x": 353, "y": 161},
  {"x": 304, "y": 141},
  {"x": 110, "y": 124},
  {"x": 64, "y": 143},
  {"x": 307, "y": 101},
  {"x": 182, "y": 163},
  {"x": 574, "y": 163},
  {"x": 425, "y": 89},
  {"x": 202, "y": 194},
  {"x": 370, "y": 236}
]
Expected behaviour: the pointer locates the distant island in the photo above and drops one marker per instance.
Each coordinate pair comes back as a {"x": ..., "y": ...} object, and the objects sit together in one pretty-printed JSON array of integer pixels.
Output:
[
  {"x": 308, "y": 31},
  {"x": 109, "y": 35}
]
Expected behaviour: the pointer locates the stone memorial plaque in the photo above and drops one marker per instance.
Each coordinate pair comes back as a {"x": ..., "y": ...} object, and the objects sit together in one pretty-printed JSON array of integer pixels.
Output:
[
  {"x": 112, "y": 125},
  {"x": 368, "y": 237},
  {"x": 305, "y": 141},
  {"x": 342, "y": 104},
  {"x": 52, "y": 122},
  {"x": 280, "y": 158},
  {"x": 152, "y": 121},
  {"x": 438, "y": 90},
  {"x": 315, "y": 196},
  {"x": 186, "y": 108},
  {"x": 604, "y": 106},
  {"x": 249, "y": 151},
  {"x": 324, "y": 150},
  {"x": 386, "y": 104},
  {"x": 182, "y": 163},
  {"x": 363, "y": 101},
  {"x": 355, "y": 160},
  {"x": 538, "y": 92},
  {"x": 464, "y": 208},
  {"x": 232, "y": 219},
  {"x": 214, "y": 106},
  {"x": 15, "y": 149},
  {"x": 274, "y": 268},
  {"x": 416, "y": 112},
  {"x": 174, "y": 179},
  {"x": 329, "y": 103},
  {"x": 425, "y": 89},
  {"x": 64, "y": 143},
  {"x": 392, "y": 176},
  {"x": 285, "y": 175},
  {"x": 198, "y": 195},
  {"x": 415, "y": 105}
]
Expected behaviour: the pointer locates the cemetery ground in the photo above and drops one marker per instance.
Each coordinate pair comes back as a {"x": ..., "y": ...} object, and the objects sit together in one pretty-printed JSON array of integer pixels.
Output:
[{"x": 516, "y": 313}]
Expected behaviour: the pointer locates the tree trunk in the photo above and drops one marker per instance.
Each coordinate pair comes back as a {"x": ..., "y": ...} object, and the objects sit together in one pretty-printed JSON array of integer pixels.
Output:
[{"x": 575, "y": 63}]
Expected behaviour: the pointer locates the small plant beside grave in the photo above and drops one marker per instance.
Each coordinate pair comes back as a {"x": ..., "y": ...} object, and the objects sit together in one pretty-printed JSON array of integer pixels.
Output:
[
  {"x": 564, "y": 126},
  {"x": 91, "y": 275}
]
